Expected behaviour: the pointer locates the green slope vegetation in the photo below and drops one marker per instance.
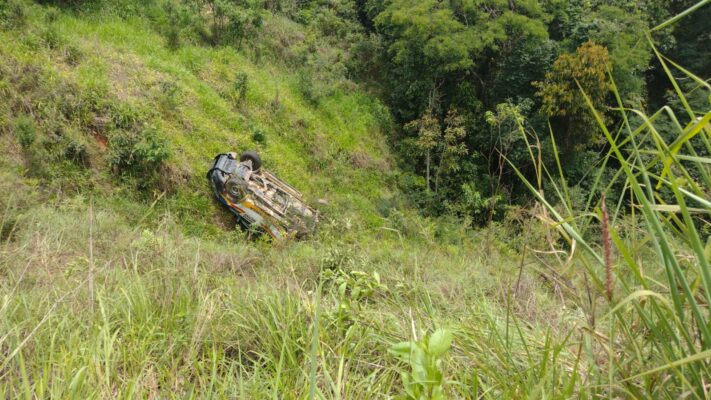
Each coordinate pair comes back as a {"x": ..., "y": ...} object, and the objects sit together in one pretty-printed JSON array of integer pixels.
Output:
[
  {"x": 85, "y": 84},
  {"x": 123, "y": 278}
]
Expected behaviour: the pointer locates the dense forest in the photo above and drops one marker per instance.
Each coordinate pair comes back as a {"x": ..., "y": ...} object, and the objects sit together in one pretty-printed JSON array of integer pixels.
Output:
[{"x": 512, "y": 199}]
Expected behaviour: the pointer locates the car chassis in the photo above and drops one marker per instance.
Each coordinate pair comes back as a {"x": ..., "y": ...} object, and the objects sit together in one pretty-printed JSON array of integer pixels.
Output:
[{"x": 261, "y": 202}]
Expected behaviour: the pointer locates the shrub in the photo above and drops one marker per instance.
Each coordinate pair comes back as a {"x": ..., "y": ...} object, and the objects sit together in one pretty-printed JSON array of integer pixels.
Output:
[
  {"x": 75, "y": 148},
  {"x": 240, "y": 87},
  {"x": 172, "y": 37},
  {"x": 275, "y": 104},
  {"x": 51, "y": 37},
  {"x": 137, "y": 154},
  {"x": 124, "y": 116},
  {"x": 426, "y": 379},
  {"x": 51, "y": 15},
  {"x": 169, "y": 96},
  {"x": 231, "y": 24},
  {"x": 76, "y": 151},
  {"x": 26, "y": 131},
  {"x": 12, "y": 14},
  {"x": 173, "y": 25},
  {"x": 259, "y": 136}
]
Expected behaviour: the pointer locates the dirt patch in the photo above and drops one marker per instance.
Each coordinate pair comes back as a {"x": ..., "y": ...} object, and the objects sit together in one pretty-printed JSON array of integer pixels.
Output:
[
  {"x": 361, "y": 159},
  {"x": 102, "y": 141},
  {"x": 172, "y": 176}
]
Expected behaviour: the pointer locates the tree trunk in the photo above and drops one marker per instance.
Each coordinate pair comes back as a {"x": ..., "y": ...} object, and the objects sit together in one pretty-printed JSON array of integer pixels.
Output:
[
  {"x": 439, "y": 168},
  {"x": 427, "y": 162}
]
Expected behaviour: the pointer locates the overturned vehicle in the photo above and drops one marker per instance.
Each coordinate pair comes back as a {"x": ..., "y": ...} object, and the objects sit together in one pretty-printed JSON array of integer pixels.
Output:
[{"x": 261, "y": 202}]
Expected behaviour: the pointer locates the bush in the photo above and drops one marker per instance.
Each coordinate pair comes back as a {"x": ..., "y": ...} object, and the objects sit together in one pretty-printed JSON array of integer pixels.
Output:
[
  {"x": 125, "y": 116},
  {"x": 323, "y": 73},
  {"x": 259, "y": 136},
  {"x": 169, "y": 96},
  {"x": 137, "y": 155},
  {"x": 51, "y": 37},
  {"x": 75, "y": 148},
  {"x": 72, "y": 54},
  {"x": 231, "y": 24},
  {"x": 12, "y": 14},
  {"x": 26, "y": 131},
  {"x": 173, "y": 26},
  {"x": 240, "y": 87}
]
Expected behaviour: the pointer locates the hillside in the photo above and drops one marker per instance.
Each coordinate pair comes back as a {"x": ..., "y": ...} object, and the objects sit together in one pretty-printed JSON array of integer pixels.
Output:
[
  {"x": 460, "y": 254},
  {"x": 129, "y": 283},
  {"x": 85, "y": 84}
]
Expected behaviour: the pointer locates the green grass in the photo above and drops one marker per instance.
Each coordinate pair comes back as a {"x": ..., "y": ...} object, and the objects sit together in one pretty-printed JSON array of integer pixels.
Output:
[
  {"x": 110, "y": 292},
  {"x": 124, "y": 311}
]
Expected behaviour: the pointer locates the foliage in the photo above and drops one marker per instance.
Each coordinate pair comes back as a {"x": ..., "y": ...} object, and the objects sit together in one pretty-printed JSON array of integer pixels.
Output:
[
  {"x": 559, "y": 93},
  {"x": 138, "y": 154},
  {"x": 618, "y": 30},
  {"x": 232, "y": 22},
  {"x": 182, "y": 21},
  {"x": 353, "y": 287},
  {"x": 443, "y": 146},
  {"x": 13, "y": 14},
  {"x": 259, "y": 136},
  {"x": 241, "y": 86},
  {"x": 452, "y": 147},
  {"x": 26, "y": 131},
  {"x": 425, "y": 379},
  {"x": 169, "y": 95},
  {"x": 428, "y": 135},
  {"x": 433, "y": 56}
]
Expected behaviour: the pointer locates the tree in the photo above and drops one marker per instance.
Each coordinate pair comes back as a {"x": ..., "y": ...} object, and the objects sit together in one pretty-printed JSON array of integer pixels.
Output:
[
  {"x": 446, "y": 144},
  {"x": 428, "y": 132},
  {"x": 618, "y": 28},
  {"x": 232, "y": 21},
  {"x": 452, "y": 147},
  {"x": 425, "y": 42},
  {"x": 560, "y": 95},
  {"x": 507, "y": 130}
]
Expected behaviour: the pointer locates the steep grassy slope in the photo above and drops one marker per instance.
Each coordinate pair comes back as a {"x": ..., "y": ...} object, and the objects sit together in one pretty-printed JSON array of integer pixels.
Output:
[
  {"x": 116, "y": 283},
  {"x": 83, "y": 82}
]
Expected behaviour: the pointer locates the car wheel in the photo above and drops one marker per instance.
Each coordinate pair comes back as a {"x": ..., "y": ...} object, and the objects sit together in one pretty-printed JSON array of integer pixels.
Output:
[{"x": 252, "y": 156}]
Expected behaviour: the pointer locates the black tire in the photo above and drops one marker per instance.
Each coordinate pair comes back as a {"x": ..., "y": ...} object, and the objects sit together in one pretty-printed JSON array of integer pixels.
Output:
[{"x": 252, "y": 156}]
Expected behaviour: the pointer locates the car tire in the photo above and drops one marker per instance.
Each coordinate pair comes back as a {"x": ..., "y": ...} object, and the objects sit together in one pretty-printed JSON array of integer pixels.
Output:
[{"x": 252, "y": 156}]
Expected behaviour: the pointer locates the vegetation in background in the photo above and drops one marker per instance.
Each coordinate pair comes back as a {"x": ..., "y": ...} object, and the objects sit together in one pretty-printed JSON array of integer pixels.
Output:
[{"x": 560, "y": 93}]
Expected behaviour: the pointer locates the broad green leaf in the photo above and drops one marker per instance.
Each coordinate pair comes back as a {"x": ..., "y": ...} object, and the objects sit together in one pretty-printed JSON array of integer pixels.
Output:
[
  {"x": 439, "y": 342},
  {"x": 402, "y": 350}
]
